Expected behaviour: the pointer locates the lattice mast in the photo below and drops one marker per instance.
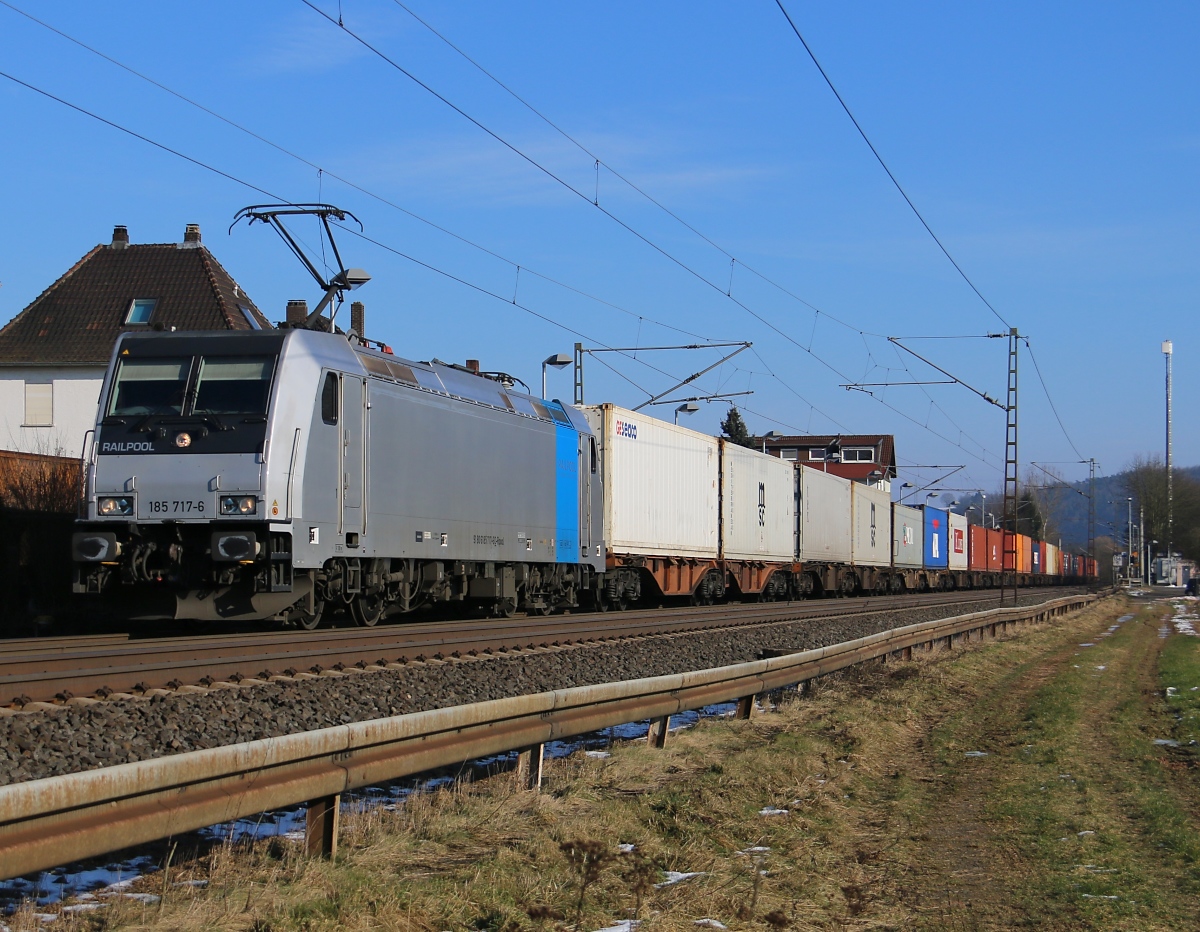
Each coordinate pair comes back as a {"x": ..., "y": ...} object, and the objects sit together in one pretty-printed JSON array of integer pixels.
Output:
[{"x": 1010, "y": 568}]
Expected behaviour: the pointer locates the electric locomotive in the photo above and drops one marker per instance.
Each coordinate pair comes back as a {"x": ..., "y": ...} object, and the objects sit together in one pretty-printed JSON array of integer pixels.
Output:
[{"x": 282, "y": 474}]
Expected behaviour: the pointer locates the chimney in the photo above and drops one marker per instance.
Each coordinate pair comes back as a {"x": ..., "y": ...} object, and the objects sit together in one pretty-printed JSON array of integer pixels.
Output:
[
  {"x": 297, "y": 312},
  {"x": 191, "y": 233},
  {"x": 358, "y": 315},
  {"x": 473, "y": 366},
  {"x": 120, "y": 237}
]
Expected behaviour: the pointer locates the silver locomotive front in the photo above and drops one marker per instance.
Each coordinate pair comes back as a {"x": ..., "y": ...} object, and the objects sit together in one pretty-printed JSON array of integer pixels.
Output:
[{"x": 178, "y": 519}]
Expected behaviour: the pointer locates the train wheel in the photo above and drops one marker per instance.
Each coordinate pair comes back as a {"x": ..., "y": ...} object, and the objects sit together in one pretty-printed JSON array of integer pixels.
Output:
[
  {"x": 367, "y": 609},
  {"x": 505, "y": 608}
]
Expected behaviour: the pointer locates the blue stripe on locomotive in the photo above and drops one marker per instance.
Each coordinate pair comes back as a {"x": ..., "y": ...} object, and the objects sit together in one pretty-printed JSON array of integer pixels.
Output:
[
  {"x": 566, "y": 494},
  {"x": 936, "y": 534}
]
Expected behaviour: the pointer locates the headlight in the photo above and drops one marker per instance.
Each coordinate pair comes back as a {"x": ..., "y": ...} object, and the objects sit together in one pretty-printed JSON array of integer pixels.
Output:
[
  {"x": 111, "y": 507},
  {"x": 239, "y": 504}
]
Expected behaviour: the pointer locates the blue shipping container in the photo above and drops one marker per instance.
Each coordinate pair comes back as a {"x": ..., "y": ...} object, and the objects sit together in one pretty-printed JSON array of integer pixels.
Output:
[{"x": 937, "y": 553}]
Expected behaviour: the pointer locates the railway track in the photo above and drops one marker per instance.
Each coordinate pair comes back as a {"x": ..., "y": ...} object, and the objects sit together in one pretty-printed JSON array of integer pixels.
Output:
[{"x": 75, "y": 669}]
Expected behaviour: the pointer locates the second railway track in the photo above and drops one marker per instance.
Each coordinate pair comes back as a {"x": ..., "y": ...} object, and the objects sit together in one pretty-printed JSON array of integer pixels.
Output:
[{"x": 62, "y": 669}]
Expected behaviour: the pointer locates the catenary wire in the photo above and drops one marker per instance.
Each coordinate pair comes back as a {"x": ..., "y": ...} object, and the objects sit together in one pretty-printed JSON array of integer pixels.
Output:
[
  {"x": 600, "y": 162},
  {"x": 636, "y": 233},
  {"x": 346, "y": 181},
  {"x": 879, "y": 159},
  {"x": 261, "y": 190},
  {"x": 1062, "y": 426}
]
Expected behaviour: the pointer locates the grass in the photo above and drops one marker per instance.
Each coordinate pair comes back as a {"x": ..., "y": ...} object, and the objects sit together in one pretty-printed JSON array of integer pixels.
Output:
[{"x": 890, "y": 825}]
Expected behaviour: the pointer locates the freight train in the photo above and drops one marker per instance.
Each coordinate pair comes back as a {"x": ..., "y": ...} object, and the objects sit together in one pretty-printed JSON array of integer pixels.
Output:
[{"x": 287, "y": 474}]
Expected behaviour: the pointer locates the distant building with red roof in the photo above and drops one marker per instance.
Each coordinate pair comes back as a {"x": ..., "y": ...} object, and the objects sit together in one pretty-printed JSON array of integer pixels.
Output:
[{"x": 867, "y": 458}]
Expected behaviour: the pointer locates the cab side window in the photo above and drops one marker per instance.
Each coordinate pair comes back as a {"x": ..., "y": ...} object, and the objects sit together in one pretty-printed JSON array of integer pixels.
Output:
[{"x": 329, "y": 399}]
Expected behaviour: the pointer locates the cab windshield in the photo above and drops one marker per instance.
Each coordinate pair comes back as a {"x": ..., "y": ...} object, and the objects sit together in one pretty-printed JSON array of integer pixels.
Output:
[
  {"x": 233, "y": 385},
  {"x": 201, "y": 386},
  {"x": 150, "y": 386}
]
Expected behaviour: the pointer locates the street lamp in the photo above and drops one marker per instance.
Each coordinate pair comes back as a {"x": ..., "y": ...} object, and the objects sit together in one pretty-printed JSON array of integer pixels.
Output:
[
  {"x": 688, "y": 407},
  {"x": 906, "y": 485},
  {"x": 770, "y": 435},
  {"x": 558, "y": 361}
]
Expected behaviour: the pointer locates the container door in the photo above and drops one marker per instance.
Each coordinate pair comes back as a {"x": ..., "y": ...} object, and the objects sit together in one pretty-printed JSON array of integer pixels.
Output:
[{"x": 353, "y": 439}]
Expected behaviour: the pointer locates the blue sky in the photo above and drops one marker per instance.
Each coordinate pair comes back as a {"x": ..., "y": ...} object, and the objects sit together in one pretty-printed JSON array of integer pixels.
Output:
[{"x": 1052, "y": 147}]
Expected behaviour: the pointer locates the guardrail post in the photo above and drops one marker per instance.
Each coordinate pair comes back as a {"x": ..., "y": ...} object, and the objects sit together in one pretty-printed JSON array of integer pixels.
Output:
[
  {"x": 745, "y": 707},
  {"x": 529, "y": 767},
  {"x": 657, "y": 736},
  {"x": 321, "y": 826}
]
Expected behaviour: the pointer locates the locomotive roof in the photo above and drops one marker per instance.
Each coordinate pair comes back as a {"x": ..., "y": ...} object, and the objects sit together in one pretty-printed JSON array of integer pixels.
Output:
[{"x": 335, "y": 351}]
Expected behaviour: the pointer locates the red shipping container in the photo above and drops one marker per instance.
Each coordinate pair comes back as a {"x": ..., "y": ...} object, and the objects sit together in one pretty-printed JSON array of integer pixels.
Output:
[
  {"x": 1040, "y": 569},
  {"x": 977, "y": 550},
  {"x": 995, "y": 550}
]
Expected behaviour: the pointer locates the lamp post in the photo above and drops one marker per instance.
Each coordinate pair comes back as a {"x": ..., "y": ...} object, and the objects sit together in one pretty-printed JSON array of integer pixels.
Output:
[
  {"x": 558, "y": 361},
  {"x": 906, "y": 485},
  {"x": 770, "y": 435},
  {"x": 688, "y": 407}
]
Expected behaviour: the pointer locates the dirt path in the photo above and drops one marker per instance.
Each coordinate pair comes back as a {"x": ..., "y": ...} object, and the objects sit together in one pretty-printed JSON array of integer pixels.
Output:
[{"x": 1054, "y": 827}]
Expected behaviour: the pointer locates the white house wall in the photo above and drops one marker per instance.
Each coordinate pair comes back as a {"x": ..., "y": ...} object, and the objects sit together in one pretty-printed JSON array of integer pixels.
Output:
[{"x": 76, "y": 391}]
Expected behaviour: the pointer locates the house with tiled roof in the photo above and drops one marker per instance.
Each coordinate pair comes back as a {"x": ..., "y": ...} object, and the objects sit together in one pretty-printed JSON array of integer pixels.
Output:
[
  {"x": 868, "y": 458},
  {"x": 53, "y": 354}
]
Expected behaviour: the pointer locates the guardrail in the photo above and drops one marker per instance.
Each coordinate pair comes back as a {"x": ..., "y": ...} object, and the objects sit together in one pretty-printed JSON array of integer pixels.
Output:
[{"x": 49, "y": 822}]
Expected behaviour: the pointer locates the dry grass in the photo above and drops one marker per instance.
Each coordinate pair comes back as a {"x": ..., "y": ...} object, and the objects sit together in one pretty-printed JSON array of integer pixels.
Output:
[{"x": 886, "y": 827}]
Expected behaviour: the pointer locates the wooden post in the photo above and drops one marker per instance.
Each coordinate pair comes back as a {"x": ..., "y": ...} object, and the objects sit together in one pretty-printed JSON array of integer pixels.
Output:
[
  {"x": 321, "y": 826},
  {"x": 745, "y": 707},
  {"x": 529, "y": 767},
  {"x": 657, "y": 736}
]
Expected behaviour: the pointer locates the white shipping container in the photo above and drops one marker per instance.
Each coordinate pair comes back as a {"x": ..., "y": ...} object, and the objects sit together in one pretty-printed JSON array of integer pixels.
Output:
[
  {"x": 660, "y": 484},
  {"x": 957, "y": 541},
  {"x": 1053, "y": 565},
  {"x": 872, "y": 525},
  {"x": 908, "y": 536},
  {"x": 824, "y": 528},
  {"x": 758, "y": 509}
]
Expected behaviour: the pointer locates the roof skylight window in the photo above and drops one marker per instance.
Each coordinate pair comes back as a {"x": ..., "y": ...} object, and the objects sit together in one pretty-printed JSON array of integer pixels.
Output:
[
  {"x": 250, "y": 318},
  {"x": 140, "y": 310}
]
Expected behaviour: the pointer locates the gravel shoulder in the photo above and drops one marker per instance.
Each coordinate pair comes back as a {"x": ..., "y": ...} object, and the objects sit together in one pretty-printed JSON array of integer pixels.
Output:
[{"x": 75, "y": 738}]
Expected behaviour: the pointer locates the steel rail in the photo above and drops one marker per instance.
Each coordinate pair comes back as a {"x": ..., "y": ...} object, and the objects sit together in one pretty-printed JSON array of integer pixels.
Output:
[
  {"x": 60, "y": 672},
  {"x": 53, "y": 821}
]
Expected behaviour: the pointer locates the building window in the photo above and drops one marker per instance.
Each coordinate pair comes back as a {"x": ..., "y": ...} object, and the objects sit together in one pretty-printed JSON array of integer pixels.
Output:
[
  {"x": 816, "y": 453},
  {"x": 39, "y": 404},
  {"x": 858, "y": 455},
  {"x": 250, "y": 318},
  {"x": 789, "y": 454},
  {"x": 140, "y": 310}
]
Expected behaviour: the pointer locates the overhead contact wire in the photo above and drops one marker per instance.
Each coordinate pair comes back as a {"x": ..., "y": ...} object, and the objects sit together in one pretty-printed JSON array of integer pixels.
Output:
[{"x": 884, "y": 165}]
